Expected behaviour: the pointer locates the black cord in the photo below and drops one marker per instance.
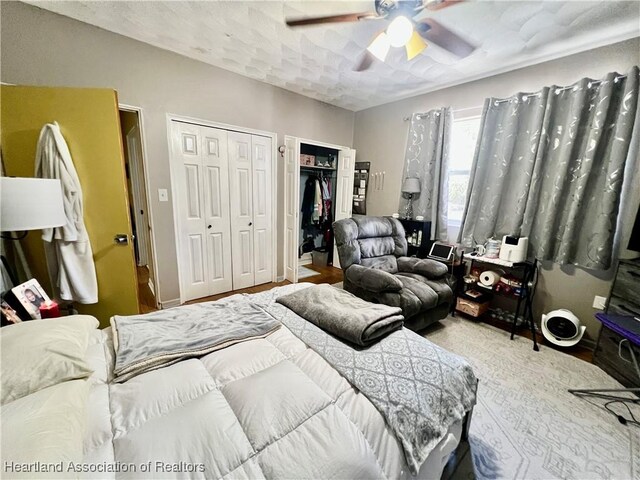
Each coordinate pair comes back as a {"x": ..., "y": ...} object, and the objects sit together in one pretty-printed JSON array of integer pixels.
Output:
[
  {"x": 624, "y": 421},
  {"x": 534, "y": 282},
  {"x": 9, "y": 236},
  {"x": 621, "y": 419}
]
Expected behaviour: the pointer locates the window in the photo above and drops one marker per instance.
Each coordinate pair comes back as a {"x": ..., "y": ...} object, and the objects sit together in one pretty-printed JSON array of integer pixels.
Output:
[{"x": 464, "y": 133}]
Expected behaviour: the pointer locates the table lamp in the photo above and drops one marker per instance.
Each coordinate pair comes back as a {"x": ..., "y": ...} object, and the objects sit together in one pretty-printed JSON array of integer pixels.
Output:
[
  {"x": 410, "y": 186},
  {"x": 29, "y": 204}
]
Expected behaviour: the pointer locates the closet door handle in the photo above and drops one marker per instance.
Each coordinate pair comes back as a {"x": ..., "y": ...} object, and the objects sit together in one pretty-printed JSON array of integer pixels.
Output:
[
  {"x": 208, "y": 226},
  {"x": 250, "y": 223}
]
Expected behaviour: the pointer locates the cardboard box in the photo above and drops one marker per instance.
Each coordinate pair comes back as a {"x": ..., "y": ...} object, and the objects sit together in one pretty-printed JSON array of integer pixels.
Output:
[
  {"x": 473, "y": 309},
  {"x": 307, "y": 160}
]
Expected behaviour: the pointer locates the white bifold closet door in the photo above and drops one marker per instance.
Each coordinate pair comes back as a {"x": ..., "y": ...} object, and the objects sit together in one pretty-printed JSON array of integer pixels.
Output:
[
  {"x": 344, "y": 191},
  {"x": 224, "y": 198},
  {"x": 203, "y": 206},
  {"x": 262, "y": 211},
  {"x": 250, "y": 183},
  {"x": 291, "y": 207}
]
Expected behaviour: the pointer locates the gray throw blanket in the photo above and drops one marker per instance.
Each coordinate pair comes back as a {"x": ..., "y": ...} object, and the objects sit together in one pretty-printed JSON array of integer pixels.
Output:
[
  {"x": 420, "y": 388},
  {"x": 343, "y": 314},
  {"x": 159, "y": 339}
]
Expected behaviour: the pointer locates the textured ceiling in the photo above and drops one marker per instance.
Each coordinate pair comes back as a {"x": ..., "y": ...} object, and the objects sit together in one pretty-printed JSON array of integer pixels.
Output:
[{"x": 250, "y": 38}]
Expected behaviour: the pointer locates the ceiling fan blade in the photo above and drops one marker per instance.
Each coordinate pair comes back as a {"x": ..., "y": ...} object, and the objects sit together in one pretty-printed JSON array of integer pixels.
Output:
[
  {"x": 349, "y": 17},
  {"x": 440, "y": 4},
  {"x": 365, "y": 62},
  {"x": 434, "y": 32},
  {"x": 415, "y": 46}
]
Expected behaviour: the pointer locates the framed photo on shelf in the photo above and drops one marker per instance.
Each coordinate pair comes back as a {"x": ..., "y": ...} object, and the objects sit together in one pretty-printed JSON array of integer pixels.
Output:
[
  {"x": 9, "y": 315},
  {"x": 31, "y": 295}
]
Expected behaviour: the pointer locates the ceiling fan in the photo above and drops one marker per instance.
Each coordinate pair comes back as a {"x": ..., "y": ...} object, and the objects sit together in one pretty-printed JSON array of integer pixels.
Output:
[{"x": 402, "y": 31}]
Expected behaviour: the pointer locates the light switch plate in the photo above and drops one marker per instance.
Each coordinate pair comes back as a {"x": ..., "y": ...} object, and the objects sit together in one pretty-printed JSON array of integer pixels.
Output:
[
  {"x": 163, "y": 195},
  {"x": 599, "y": 303}
]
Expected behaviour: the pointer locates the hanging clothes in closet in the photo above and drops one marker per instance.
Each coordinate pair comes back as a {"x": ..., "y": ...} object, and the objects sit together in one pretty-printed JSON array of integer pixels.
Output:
[
  {"x": 316, "y": 201},
  {"x": 326, "y": 204},
  {"x": 308, "y": 202}
]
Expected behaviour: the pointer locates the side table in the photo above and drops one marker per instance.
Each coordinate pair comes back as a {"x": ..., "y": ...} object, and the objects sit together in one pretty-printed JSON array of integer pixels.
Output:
[
  {"x": 617, "y": 332},
  {"x": 618, "y": 348}
]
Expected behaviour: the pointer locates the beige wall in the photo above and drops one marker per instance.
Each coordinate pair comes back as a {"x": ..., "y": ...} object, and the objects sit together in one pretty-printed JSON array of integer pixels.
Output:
[
  {"x": 380, "y": 137},
  {"x": 42, "y": 48}
]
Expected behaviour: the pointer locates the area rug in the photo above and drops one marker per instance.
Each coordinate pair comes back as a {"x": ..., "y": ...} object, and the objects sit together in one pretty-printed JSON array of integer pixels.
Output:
[
  {"x": 525, "y": 424},
  {"x": 304, "y": 272}
]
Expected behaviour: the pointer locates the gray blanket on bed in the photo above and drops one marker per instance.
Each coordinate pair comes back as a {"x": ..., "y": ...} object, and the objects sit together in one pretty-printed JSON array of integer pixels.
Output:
[
  {"x": 420, "y": 388},
  {"x": 343, "y": 314},
  {"x": 159, "y": 339}
]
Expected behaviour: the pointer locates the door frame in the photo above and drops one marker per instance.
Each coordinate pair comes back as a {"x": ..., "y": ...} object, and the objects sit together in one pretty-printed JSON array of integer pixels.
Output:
[
  {"x": 147, "y": 191},
  {"x": 299, "y": 141},
  {"x": 177, "y": 223}
]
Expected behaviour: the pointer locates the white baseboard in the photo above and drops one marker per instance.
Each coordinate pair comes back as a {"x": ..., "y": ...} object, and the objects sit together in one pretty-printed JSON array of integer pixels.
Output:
[{"x": 170, "y": 303}]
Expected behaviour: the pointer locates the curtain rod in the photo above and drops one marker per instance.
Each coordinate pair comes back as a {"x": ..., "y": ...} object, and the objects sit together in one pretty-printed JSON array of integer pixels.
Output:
[
  {"x": 561, "y": 89},
  {"x": 457, "y": 110},
  {"x": 537, "y": 94}
]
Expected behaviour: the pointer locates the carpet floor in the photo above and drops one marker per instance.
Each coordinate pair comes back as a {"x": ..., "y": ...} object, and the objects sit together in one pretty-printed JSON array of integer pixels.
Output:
[{"x": 525, "y": 424}]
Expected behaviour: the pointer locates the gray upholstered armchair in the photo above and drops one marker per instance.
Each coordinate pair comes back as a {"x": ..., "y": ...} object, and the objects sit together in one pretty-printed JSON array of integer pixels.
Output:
[{"x": 373, "y": 258}]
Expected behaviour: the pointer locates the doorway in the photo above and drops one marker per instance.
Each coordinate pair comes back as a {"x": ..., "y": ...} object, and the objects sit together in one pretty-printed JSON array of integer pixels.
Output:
[{"x": 131, "y": 128}]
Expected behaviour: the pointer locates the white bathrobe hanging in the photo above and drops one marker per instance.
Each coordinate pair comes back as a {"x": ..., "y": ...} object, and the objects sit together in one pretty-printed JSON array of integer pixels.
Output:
[{"x": 67, "y": 248}]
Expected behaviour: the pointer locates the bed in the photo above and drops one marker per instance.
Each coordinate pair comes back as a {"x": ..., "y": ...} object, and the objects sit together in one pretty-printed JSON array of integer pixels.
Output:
[{"x": 264, "y": 408}]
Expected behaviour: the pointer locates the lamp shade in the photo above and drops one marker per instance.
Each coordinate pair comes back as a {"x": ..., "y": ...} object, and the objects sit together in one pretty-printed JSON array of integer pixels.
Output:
[
  {"x": 411, "y": 185},
  {"x": 30, "y": 204}
]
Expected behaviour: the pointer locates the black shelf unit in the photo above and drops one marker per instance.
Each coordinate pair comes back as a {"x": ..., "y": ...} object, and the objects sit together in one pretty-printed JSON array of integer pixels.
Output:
[
  {"x": 411, "y": 226},
  {"x": 526, "y": 272}
]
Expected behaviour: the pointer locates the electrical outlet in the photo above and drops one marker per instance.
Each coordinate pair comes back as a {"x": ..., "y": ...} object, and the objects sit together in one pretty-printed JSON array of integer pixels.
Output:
[{"x": 599, "y": 303}]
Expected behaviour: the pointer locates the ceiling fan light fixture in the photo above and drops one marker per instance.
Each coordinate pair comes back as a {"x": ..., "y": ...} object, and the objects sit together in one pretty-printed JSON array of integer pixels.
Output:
[
  {"x": 380, "y": 46},
  {"x": 400, "y": 31},
  {"x": 415, "y": 46}
]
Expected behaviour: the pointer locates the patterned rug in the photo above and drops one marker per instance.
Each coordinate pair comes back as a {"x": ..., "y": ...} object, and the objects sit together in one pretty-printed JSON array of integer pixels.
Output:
[{"x": 525, "y": 424}]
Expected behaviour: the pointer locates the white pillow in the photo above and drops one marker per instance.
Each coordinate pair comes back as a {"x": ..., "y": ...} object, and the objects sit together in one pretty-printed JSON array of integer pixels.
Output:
[
  {"x": 39, "y": 353},
  {"x": 46, "y": 427}
]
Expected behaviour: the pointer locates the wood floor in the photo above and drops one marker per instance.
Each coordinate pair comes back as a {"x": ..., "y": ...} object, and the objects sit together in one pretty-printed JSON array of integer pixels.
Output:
[
  {"x": 327, "y": 274},
  {"x": 146, "y": 298}
]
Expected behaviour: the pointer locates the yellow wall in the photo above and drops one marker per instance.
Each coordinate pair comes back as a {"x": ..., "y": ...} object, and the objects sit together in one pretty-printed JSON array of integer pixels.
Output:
[{"x": 89, "y": 121}]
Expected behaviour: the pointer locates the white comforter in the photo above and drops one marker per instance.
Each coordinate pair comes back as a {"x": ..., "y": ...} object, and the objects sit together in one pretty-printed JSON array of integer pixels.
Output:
[{"x": 265, "y": 408}]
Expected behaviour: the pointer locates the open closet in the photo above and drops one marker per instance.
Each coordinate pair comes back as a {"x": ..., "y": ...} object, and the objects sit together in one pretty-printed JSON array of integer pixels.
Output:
[
  {"x": 318, "y": 191},
  {"x": 224, "y": 203}
]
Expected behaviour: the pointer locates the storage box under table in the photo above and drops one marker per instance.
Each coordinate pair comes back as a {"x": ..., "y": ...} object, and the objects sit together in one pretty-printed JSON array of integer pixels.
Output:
[{"x": 474, "y": 309}]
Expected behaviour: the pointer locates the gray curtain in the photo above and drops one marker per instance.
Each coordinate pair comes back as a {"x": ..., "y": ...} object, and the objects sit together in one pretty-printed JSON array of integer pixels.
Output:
[
  {"x": 550, "y": 166},
  {"x": 427, "y": 158}
]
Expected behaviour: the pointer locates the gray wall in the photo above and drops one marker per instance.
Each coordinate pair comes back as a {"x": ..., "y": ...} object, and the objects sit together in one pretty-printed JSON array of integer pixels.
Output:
[
  {"x": 381, "y": 134},
  {"x": 43, "y": 48}
]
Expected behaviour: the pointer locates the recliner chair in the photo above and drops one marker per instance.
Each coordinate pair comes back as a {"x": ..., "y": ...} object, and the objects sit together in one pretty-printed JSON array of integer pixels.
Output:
[{"x": 372, "y": 253}]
